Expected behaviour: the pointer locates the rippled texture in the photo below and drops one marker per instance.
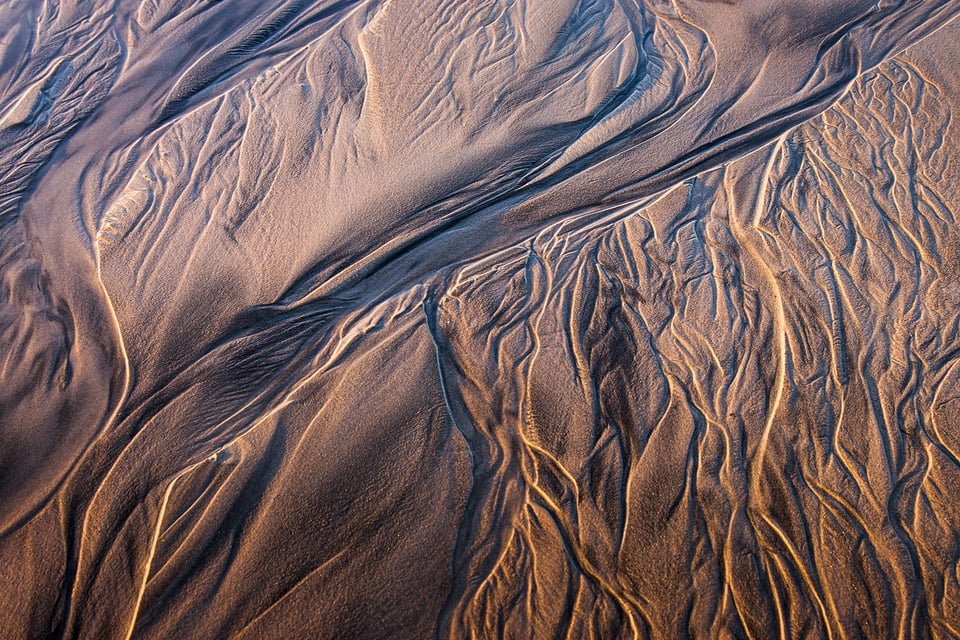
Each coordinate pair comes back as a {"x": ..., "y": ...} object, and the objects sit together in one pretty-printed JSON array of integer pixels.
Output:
[{"x": 516, "y": 318}]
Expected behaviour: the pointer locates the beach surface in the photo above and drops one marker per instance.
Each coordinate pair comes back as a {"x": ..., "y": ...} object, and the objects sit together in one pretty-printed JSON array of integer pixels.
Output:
[{"x": 488, "y": 319}]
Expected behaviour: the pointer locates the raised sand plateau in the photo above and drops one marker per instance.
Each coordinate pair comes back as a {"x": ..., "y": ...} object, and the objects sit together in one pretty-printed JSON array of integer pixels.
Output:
[{"x": 478, "y": 319}]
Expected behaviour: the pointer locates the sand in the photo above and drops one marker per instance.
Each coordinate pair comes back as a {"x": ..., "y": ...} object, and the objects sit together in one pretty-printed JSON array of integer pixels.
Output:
[{"x": 519, "y": 319}]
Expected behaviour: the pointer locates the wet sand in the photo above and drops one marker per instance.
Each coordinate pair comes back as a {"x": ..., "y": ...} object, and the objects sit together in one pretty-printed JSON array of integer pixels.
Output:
[{"x": 570, "y": 319}]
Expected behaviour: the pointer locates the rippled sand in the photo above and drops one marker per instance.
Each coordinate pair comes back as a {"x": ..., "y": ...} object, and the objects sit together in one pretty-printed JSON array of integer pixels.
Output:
[{"x": 476, "y": 319}]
